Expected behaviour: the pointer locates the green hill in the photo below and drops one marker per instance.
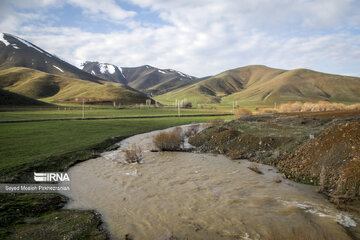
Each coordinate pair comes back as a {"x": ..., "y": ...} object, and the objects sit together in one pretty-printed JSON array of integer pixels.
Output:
[
  {"x": 261, "y": 85},
  {"x": 54, "y": 88},
  {"x": 11, "y": 99}
]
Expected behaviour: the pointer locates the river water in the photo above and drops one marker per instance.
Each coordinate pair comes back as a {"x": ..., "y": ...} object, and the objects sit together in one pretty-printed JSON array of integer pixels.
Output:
[{"x": 199, "y": 196}]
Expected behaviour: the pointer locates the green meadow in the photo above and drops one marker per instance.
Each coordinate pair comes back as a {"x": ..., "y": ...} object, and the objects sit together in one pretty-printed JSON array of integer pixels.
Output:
[
  {"x": 28, "y": 144},
  {"x": 94, "y": 112}
]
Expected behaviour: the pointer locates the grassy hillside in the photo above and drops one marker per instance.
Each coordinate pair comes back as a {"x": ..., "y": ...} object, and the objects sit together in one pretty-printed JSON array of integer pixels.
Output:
[
  {"x": 51, "y": 88},
  {"x": 10, "y": 98},
  {"x": 261, "y": 85}
]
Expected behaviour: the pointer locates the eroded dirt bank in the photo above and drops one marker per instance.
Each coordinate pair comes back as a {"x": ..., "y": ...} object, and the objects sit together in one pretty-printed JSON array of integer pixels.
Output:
[{"x": 315, "y": 148}]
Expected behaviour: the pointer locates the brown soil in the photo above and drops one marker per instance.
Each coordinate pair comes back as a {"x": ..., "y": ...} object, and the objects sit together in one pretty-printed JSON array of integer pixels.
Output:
[
  {"x": 329, "y": 159},
  {"x": 319, "y": 148}
]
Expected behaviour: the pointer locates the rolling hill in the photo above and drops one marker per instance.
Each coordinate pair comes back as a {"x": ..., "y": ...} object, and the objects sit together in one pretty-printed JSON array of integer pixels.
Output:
[
  {"x": 146, "y": 78},
  {"x": 30, "y": 71},
  {"x": 54, "y": 88},
  {"x": 9, "y": 98},
  {"x": 260, "y": 85}
]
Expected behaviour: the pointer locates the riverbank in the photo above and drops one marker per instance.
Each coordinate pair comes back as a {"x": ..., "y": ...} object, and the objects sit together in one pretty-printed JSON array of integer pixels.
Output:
[{"x": 320, "y": 149}]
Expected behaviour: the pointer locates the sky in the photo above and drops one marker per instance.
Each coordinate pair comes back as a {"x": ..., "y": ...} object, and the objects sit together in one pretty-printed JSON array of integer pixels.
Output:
[{"x": 197, "y": 37}]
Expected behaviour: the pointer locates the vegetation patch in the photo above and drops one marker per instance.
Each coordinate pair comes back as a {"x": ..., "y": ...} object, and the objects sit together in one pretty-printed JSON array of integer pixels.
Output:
[
  {"x": 242, "y": 112},
  {"x": 134, "y": 154},
  {"x": 168, "y": 141}
]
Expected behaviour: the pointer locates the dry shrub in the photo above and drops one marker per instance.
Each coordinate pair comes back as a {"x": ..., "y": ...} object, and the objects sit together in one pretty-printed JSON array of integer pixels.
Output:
[
  {"x": 179, "y": 131},
  {"x": 255, "y": 167},
  {"x": 192, "y": 130},
  {"x": 267, "y": 110},
  {"x": 242, "y": 112},
  {"x": 291, "y": 107},
  {"x": 133, "y": 155},
  {"x": 355, "y": 106},
  {"x": 168, "y": 141},
  {"x": 215, "y": 121},
  {"x": 316, "y": 107}
]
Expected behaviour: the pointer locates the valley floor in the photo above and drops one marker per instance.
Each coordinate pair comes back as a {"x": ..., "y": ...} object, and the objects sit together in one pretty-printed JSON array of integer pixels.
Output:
[{"x": 271, "y": 139}]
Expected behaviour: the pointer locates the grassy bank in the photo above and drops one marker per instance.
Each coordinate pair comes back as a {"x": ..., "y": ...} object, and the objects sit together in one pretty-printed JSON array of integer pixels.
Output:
[{"x": 54, "y": 146}]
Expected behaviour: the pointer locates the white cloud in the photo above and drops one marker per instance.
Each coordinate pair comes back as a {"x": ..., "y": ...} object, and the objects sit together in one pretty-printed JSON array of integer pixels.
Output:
[
  {"x": 106, "y": 9},
  {"x": 206, "y": 37}
]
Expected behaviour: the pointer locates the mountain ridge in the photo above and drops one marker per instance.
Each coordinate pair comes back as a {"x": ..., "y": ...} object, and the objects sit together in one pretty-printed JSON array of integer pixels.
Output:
[
  {"x": 146, "y": 78},
  {"x": 17, "y": 52},
  {"x": 262, "y": 85}
]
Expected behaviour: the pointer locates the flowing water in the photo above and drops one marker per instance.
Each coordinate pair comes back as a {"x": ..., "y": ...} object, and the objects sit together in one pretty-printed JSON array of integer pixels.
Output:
[{"x": 199, "y": 196}]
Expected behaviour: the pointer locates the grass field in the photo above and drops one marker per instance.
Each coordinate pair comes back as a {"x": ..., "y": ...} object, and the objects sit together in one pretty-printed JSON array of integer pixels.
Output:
[
  {"x": 54, "y": 146},
  {"x": 27, "y": 143},
  {"x": 39, "y": 114}
]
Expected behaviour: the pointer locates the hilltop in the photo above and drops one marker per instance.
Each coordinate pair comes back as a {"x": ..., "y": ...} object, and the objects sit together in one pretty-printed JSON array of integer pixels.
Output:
[{"x": 262, "y": 85}]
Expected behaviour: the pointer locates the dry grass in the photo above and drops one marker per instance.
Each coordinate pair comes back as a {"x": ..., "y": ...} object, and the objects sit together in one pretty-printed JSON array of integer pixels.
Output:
[
  {"x": 320, "y": 106},
  {"x": 133, "y": 155},
  {"x": 267, "y": 111},
  {"x": 242, "y": 112},
  {"x": 214, "y": 122},
  {"x": 168, "y": 141}
]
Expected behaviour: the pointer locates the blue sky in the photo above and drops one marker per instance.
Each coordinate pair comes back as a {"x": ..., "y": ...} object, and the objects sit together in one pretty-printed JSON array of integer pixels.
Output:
[{"x": 198, "y": 37}]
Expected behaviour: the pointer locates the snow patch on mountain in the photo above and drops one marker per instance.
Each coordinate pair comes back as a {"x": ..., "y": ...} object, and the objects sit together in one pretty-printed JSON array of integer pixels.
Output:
[
  {"x": 160, "y": 71},
  {"x": 111, "y": 69},
  {"x": 106, "y": 68},
  {"x": 181, "y": 74},
  {"x": 2, "y": 39},
  {"x": 58, "y": 68},
  {"x": 28, "y": 44},
  {"x": 122, "y": 72},
  {"x": 92, "y": 72}
]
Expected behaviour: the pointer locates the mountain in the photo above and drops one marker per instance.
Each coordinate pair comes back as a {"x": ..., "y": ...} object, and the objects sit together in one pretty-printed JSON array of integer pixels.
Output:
[
  {"x": 54, "y": 88},
  {"x": 17, "y": 52},
  {"x": 28, "y": 70},
  {"x": 106, "y": 71},
  {"x": 9, "y": 98},
  {"x": 261, "y": 85},
  {"x": 146, "y": 78}
]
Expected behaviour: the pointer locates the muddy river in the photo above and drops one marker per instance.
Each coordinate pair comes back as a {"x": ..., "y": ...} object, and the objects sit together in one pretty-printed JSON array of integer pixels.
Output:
[{"x": 199, "y": 196}]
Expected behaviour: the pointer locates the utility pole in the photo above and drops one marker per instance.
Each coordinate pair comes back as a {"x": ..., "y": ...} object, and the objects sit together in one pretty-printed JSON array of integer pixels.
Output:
[
  {"x": 178, "y": 109},
  {"x": 83, "y": 112},
  {"x": 233, "y": 107}
]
